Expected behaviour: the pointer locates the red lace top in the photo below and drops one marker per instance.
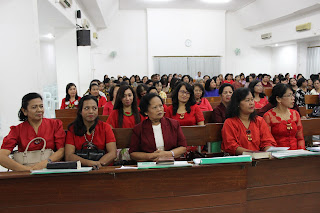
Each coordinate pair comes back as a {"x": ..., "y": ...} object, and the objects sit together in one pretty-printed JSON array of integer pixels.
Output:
[
  {"x": 102, "y": 101},
  {"x": 261, "y": 103},
  {"x": 188, "y": 119},
  {"x": 286, "y": 133},
  {"x": 70, "y": 104},
  {"x": 107, "y": 108}
]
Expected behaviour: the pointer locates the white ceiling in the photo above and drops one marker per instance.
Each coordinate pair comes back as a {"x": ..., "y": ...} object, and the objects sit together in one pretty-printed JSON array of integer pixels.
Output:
[{"x": 182, "y": 4}]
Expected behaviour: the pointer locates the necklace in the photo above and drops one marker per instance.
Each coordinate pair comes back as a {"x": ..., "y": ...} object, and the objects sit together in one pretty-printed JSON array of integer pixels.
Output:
[
  {"x": 182, "y": 116},
  {"x": 124, "y": 113},
  {"x": 90, "y": 144}
]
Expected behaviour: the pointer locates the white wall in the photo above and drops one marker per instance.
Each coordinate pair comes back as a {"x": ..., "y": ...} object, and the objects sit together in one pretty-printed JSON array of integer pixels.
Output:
[
  {"x": 127, "y": 35},
  {"x": 284, "y": 59},
  {"x": 20, "y": 53},
  {"x": 48, "y": 63},
  {"x": 168, "y": 29}
]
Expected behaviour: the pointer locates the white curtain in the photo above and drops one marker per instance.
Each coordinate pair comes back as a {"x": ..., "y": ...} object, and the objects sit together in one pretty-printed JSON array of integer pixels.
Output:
[
  {"x": 313, "y": 60},
  {"x": 188, "y": 65}
]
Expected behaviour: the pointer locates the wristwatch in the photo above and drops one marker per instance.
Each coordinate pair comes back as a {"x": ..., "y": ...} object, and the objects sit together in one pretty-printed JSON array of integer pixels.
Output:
[{"x": 172, "y": 153}]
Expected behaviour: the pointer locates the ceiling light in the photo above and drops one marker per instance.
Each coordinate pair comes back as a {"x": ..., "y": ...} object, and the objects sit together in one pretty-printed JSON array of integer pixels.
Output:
[
  {"x": 157, "y": 0},
  {"x": 48, "y": 36},
  {"x": 216, "y": 1},
  {"x": 276, "y": 45}
]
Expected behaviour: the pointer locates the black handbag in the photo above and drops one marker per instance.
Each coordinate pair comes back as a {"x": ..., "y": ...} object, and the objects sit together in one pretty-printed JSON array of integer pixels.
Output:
[
  {"x": 316, "y": 112},
  {"x": 90, "y": 151}
]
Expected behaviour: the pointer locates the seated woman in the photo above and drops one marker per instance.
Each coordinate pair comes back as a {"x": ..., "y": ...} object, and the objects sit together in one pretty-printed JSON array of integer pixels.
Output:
[
  {"x": 301, "y": 92},
  {"x": 125, "y": 113},
  {"x": 158, "y": 85},
  {"x": 94, "y": 91},
  {"x": 88, "y": 128},
  {"x": 108, "y": 107},
  {"x": 33, "y": 126},
  {"x": 202, "y": 102},
  {"x": 260, "y": 99},
  {"x": 316, "y": 85},
  {"x": 141, "y": 91},
  {"x": 219, "y": 113},
  {"x": 72, "y": 99},
  {"x": 155, "y": 91},
  {"x": 284, "y": 123},
  {"x": 184, "y": 108},
  {"x": 211, "y": 89},
  {"x": 157, "y": 136},
  {"x": 244, "y": 130}
]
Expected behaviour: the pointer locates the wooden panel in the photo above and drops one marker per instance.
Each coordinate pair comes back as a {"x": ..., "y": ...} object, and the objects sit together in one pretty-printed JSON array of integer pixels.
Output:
[
  {"x": 268, "y": 91},
  {"x": 168, "y": 101},
  {"x": 303, "y": 111},
  {"x": 68, "y": 120},
  {"x": 214, "y": 99},
  {"x": 257, "y": 193},
  {"x": 103, "y": 118},
  {"x": 195, "y": 135},
  {"x": 311, "y": 99},
  {"x": 66, "y": 113},
  {"x": 284, "y": 171},
  {"x": 207, "y": 116},
  {"x": 213, "y": 132},
  {"x": 310, "y": 126},
  {"x": 220, "y": 209},
  {"x": 306, "y": 203},
  {"x": 123, "y": 137}
]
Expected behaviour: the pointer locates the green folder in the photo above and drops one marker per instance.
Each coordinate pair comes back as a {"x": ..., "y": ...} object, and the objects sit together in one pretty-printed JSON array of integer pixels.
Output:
[
  {"x": 154, "y": 165},
  {"x": 229, "y": 159},
  {"x": 55, "y": 171}
]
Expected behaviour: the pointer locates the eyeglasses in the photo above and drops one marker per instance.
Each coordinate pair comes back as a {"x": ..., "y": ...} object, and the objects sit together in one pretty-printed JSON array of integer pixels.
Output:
[
  {"x": 182, "y": 92},
  {"x": 288, "y": 96}
]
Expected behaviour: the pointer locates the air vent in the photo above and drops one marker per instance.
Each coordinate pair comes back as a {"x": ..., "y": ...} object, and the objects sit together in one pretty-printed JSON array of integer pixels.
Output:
[
  {"x": 303, "y": 27},
  {"x": 266, "y": 36}
]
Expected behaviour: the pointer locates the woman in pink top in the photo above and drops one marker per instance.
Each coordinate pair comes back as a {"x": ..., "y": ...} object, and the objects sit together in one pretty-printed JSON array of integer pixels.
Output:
[{"x": 202, "y": 102}]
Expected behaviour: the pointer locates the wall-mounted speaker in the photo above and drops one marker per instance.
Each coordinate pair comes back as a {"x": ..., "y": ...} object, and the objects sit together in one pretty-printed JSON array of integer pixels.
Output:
[
  {"x": 78, "y": 14},
  {"x": 83, "y": 38}
]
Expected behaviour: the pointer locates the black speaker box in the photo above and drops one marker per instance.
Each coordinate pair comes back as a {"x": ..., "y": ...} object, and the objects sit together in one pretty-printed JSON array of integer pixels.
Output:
[
  {"x": 83, "y": 38},
  {"x": 78, "y": 14}
]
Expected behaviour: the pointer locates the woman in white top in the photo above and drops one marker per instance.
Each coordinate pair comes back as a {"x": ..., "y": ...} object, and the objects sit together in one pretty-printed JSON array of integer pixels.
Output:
[
  {"x": 316, "y": 89},
  {"x": 157, "y": 136}
]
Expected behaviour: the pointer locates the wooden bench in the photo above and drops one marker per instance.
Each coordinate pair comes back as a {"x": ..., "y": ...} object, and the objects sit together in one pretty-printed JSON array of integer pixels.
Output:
[
  {"x": 207, "y": 116},
  {"x": 311, "y": 126},
  {"x": 71, "y": 112},
  {"x": 68, "y": 120},
  {"x": 268, "y": 91},
  {"x": 310, "y": 99},
  {"x": 214, "y": 99}
]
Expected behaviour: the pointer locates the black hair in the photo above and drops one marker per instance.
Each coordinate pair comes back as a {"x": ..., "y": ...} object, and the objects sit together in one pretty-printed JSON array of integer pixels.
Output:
[
  {"x": 124, "y": 83},
  {"x": 106, "y": 80},
  {"x": 174, "y": 82},
  {"x": 175, "y": 101},
  {"x": 79, "y": 127},
  {"x": 25, "y": 102},
  {"x": 283, "y": 79},
  {"x": 151, "y": 88},
  {"x": 315, "y": 79},
  {"x": 299, "y": 75},
  {"x": 67, "y": 94},
  {"x": 145, "y": 102},
  {"x": 278, "y": 91},
  {"x": 188, "y": 76},
  {"x": 207, "y": 85},
  {"x": 287, "y": 74},
  {"x": 148, "y": 82},
  {"x": 251, "y": 87},
  {"x": 164, "y": 81},
  {"x": 247, "y": 78},
  {"x": 111, "y": 92},
  {"x": 91, "y": 85},
  {"x": 119, "y": 105},
  {"x": 141, "y": 88},
  {"x": 156, "y": 82},
  {"x": 274, "y": 80},
  {"x": 300, "y": 81},
  {"x": 233, "y": 109},
  {"x": 201, "y": 87},
  {"x": 224, "y": 86},
  {"x": 263, "y": 75},
  {"x": 206, "y": 76}
]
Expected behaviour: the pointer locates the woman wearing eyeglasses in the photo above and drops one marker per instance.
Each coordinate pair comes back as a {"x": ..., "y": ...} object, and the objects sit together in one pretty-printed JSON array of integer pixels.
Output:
[
  {"x": 260, "y": 99},
  {"x": 284, "y": 123},
  {"x": 244, "y": 130},
  {"x": 184, "y": 108}
]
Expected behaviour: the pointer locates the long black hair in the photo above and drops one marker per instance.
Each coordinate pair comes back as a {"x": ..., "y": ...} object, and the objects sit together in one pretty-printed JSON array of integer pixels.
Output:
[
  {"x": 251, "y": 87},
  {"x": 233, "y": 109},
  {"x": 79, "y": 128},
  {"x": 278, "y": 91},
  {"x": 119, "y": 105},
  {"x": 207, "y": 85},
  {"x": 25, "y": 102},
  {"x": 67, "y": 89},
  {"x": 175, "y": 101},
  {"x": 111, "y": 91}
]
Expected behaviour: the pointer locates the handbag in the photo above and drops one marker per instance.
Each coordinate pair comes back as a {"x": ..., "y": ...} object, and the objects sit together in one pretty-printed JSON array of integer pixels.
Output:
[
  {"x": 33, "y": 157},
  {"x": 316, "y": 112},
  {"x": 90, "y": 151}
]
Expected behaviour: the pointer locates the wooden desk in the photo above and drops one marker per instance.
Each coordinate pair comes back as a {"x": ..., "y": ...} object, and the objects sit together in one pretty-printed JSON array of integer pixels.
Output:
[{"x": 287, "y": 185}]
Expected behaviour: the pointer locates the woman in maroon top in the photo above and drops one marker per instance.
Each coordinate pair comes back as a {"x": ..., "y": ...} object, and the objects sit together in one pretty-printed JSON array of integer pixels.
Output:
[
  {"x": 72, "y": 99},
  {"x": 157, "y": 136},
  {"x": 88, "y": 128},
  {"x": 108, "y": 107},
  {"x": 202, "y": 102},
  {"x": 184, "y": 108},
  {"x": 33, "y": 126},
  {"x": 219, "y": 113},
  {"x": 125, "y": 113}
]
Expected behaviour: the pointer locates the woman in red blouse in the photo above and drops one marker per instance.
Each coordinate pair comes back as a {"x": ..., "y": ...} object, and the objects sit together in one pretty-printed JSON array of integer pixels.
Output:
[
  {"x": 202, "y": 102},
  {"x": 260, "y": 99},
  {"x": 157, "y": 136},
  {"x": 33, "y": 126},
  {"x": 184, "y": 108},
  {"x": 219, "y": 113},
  {"x": 284, "y": 123},
  {"x": 94, "y": 90},
  {"x": 72, "y": 99},
  {"x": 108, "y": 107},
  {"x": 244, "y": 130},
  {"x": 88, "y": 128},
  {"x": 125, "y": 113}
]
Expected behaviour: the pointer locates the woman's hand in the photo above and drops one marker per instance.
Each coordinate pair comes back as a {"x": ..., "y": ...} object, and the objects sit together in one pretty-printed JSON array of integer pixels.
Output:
[
  {"x": 40, "y": 165},
  {"x": 160, "y": 153},
  {"x": 94, "y": 163}
]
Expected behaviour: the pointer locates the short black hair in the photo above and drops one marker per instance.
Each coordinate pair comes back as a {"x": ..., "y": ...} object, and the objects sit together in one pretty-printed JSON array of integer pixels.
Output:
[
  {"x": 145, "y": 102},
  {"x": 300, "y": 81},
  {"x": 263, "y": 75},
  {"x": 151, "y": 88},
  {"x": 233, "y": 109},
  {"x": 278, "y": 91},
  {"x": 140, "y": 89},
  {"x": 207, "y": 84},
  {"x": 251, "y": 87},
  {"x": 25, "y": 102},
  {"x": 200, "y": 86},
  {"x": 224, "y": 86}
]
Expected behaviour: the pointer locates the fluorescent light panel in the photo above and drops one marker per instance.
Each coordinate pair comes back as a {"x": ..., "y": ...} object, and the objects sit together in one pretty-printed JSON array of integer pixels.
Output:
[{"x": 216, "y": 1}]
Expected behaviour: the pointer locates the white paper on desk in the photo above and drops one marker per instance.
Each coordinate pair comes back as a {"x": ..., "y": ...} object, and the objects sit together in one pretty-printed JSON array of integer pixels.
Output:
[
  {"x": 276, "y": 149},
  {"x": 314, "y": 149},
  {"x": 127, "y": 167},
  {"x": 292, "y": 153}
]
